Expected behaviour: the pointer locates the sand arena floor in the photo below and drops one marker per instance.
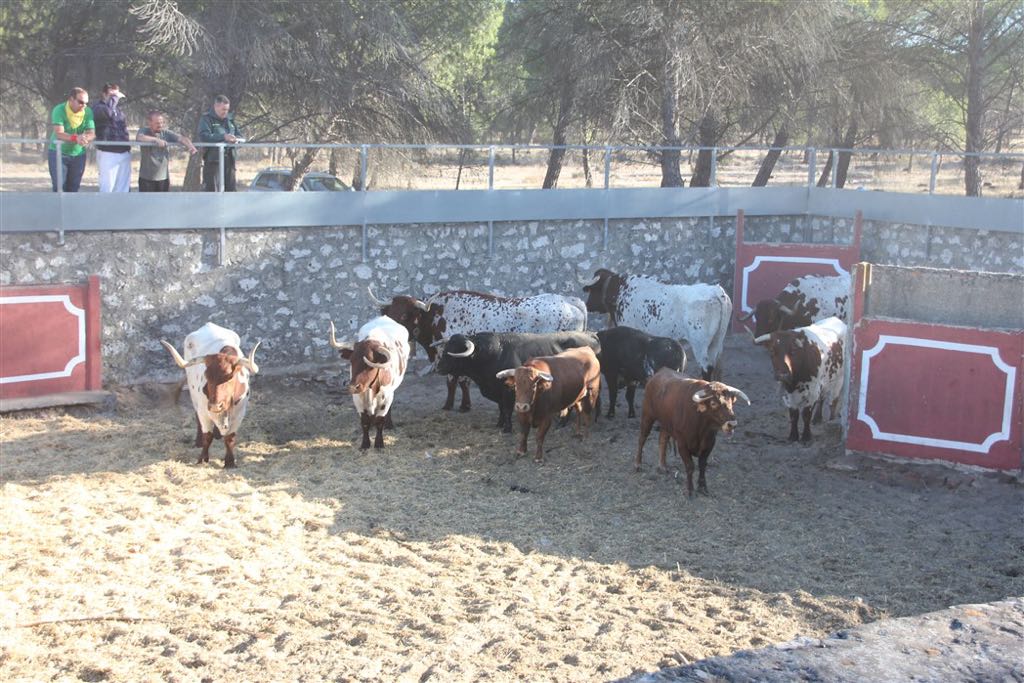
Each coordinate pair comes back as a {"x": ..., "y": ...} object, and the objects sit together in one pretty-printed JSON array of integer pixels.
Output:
[{"x": 443, "y": 558}]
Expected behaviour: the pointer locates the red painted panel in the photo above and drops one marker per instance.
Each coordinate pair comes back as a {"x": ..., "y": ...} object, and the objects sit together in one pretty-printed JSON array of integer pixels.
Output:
[
  {"x": 49, "y": 339},
  {"x": 763, "y": 268},
  {"x": 937, "y": 392}
]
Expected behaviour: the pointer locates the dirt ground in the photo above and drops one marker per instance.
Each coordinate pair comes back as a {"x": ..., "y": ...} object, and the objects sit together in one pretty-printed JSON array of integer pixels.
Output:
[{"x": 444, "y": 558}]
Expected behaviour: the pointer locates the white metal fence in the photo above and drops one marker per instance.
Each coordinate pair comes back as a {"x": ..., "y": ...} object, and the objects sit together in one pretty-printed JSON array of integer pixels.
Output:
[{"x": 520, "y": 167}]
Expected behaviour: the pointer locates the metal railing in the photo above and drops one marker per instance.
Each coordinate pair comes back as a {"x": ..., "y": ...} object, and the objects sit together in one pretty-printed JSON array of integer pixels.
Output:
[{"x": 422, "y": 166}]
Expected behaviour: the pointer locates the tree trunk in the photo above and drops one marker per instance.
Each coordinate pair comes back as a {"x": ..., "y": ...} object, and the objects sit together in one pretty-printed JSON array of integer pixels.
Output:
[
  {"x": 587, "y": 175},
  {"x": 300, "y": 167},
  {"x": 826, "y": 172},
  {"x": 768, "y": 164},
  {"x": 707, "y": 137},
  {"x": 1020, "y": 186},
  {"x": 557, "y": 156},
  {"x": 844, "y": 157},
  {"x": 670, "y": 173},
  {"x": 975, "y": 104}
]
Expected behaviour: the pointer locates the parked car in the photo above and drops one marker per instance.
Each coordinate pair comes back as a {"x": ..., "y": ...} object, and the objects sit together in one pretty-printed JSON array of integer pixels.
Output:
[{"x": 271, "y": 179}]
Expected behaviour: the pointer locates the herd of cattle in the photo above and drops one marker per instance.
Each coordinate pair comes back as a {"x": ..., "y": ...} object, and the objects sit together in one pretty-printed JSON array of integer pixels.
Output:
[{"x": 534, "y": 358}]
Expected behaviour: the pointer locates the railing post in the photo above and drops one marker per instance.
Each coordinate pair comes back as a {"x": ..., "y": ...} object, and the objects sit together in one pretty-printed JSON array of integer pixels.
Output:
[
  {"x": 60, "y": 187},
  {"x": 607, "y": 185},
  {"x": 835, "y": 165},
  {"x": 714, "y": 167},
  {"x": 220, "y": 167},
  {"x": 812, "y": 165},
  {"x": 490, "y": 186},
  {"x": 362, "y": 188},
  {"x": 935, "y": 172}
]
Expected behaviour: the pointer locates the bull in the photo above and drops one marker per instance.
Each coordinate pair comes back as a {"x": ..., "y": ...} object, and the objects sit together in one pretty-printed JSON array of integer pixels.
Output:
[
  {"x": 800, "y": 303},
  {"x": 480, "y": 357},
  {"x": 808, "y": 364},
  {"x": 631, "y": 356},
  {"x": 553, "y": 385},
  {"x": 218, "y": 383},
  {"x": 377, "y": 363},
  {"x": 463, "y": 312},
  {"x": 698, "y": 314},
  {"x": 691, "y": 412}
]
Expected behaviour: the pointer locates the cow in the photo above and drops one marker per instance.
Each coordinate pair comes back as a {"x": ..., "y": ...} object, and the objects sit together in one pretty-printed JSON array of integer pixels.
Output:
[
  {"x": 691, "y": 412},
  {"x": 553, "y": 385},
  {"x": 800, "y": 303},
  {"x": 481, "y": 356},
  {"x": 808, "y": 364},
  {"x": 698, "y": 313},
  {"x": 377, "y": 363},
  {"x": 632, "y": 356},
  {"x": 464, "y": 312},
  {"x": 218, "y": 382}
]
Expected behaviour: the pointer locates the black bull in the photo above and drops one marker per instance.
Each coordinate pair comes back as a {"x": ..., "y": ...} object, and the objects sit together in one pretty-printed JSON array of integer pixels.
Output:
[
  {"x": 633, "y": 356},
  {"x": 482, "y": 356}
]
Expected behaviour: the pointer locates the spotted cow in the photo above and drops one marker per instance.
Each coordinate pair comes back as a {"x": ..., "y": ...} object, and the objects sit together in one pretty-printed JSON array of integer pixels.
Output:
[{"x": 801, "y": 302}]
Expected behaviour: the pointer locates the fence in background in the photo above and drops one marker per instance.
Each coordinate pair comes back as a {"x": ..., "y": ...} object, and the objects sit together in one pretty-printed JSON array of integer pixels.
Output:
[{"x": 483, "y": 167}]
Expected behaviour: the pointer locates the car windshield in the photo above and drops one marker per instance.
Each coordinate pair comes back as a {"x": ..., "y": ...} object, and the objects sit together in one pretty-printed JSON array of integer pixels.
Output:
[{"x": 323, "y": 184}]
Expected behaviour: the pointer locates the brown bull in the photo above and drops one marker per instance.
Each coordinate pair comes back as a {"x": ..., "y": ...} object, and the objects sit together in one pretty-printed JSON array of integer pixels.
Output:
[
  {"x": 690, "y": 411},
  {"x": 547, "y": 386}
]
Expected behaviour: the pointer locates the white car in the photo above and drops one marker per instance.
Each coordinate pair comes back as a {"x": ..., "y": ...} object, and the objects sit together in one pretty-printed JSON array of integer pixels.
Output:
[{"x": 275, "y": 179}]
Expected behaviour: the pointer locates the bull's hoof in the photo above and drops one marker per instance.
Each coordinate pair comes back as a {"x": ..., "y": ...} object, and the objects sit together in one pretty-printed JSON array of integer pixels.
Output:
[
  {"x": 662, "y": 470},
  {"x": 637, "y": 468},
  {"x": 703, "y": 490},
  {"x": 793, "y": 437},
  {"x": 539, "y": 461},
  {"x": 229, "y": 464},
  {"x": 200, "y": 460},
  {"x": 447, "y": 406},
  {"x": 611, "y": 413},
  {"x": 463, "y": 409},
  {"x": 506, "y": 429},
  {"x": 805, "y": 439}
]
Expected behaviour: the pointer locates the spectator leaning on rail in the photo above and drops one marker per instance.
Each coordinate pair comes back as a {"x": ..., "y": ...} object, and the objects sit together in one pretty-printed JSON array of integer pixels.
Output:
[
  {"x": 153, "y": 173},
  {"x": 73, "y": 125},
  {"x": 217, "y": 125},
  {"x": 113, "y": 161}
]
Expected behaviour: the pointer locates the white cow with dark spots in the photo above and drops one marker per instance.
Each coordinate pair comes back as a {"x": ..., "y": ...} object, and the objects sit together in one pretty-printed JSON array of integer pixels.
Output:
[
  {"x": 801, "y": 302},
  {"x": 463, "y": 312},
  {"x": 698, "y": 314}
]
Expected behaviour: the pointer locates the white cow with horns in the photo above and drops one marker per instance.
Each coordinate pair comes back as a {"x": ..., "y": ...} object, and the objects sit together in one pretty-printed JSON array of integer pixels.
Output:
[
  {"x": 218, "y": 383},
  {"x": 378, "y": 359}
]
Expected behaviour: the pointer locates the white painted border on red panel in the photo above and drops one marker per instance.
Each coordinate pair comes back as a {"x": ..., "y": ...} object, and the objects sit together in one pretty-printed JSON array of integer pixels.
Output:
[
  {"x": 990, "y": 351},
  {"x": 73, "y": 310},
  {"x": 758, "y": 260}
]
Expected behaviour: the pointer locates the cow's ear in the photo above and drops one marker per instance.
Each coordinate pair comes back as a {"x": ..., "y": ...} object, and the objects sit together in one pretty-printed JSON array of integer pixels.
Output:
[
  {"x": 346, "y": 353},
  {"x": 701, "y": 408},
  {"x": 543, "y": 384}
]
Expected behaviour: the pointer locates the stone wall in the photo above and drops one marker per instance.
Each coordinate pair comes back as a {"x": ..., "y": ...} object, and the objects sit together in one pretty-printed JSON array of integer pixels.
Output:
[{"x": 284, "y": 286}]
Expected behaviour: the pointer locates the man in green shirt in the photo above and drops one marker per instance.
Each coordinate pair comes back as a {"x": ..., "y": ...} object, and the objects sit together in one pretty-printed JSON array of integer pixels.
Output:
[
  {"x": 153, "y": 173},
  {"x": 73, "y": 125}
]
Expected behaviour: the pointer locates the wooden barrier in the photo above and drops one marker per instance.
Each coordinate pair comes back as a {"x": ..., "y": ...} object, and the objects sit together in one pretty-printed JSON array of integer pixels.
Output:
[
  {"x": 50, "y": 345},
  {"x": 942, "y": 392},
  {"x": 764, "y": 268}
]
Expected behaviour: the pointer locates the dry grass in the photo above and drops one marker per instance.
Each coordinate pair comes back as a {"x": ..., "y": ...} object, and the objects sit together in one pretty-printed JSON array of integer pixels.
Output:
[
  {"x": 22, "y": 170},
  {"x": 443, "y": 558}
]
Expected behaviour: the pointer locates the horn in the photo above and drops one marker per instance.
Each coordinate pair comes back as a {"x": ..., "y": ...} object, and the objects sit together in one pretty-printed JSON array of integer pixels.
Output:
[
  {"x": 250, "y": 362},
  {"x": 762, "y": 339},
  {"x": 744, "y": 318},
  {"x": 545, "y": 376},
  {"x": 177, "y": 356},
  {"x": 751, "y": 333},
  {"x": 439, "y": 343},
  {"x": 379, "y": 365},
  {"x": 505, "y": 373},
  {"x": 737, "y": 392},
  {"x": 375, "y": 300},
  {"x": 470, "y": 347},
  {"x": 429, "y": 302},
  {"x": 334, "y": 342},
  {"x": 699, "y": 397},
  {"x": 425, "y": 307},
  {"x": 587, "y": 283}
]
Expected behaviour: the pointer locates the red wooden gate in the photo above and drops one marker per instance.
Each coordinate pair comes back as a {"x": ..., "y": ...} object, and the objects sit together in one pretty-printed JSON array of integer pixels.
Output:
[
  {"x": 49, "y": 344},
  {"x": 940, "y": 392},
  {"x": 764, "y": 268}
]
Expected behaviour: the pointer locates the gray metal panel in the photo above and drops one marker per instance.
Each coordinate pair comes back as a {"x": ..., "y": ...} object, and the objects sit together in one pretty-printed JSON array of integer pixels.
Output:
[
  {"x": 47, "y": 211},
  {"x": 981, "y": 213}
]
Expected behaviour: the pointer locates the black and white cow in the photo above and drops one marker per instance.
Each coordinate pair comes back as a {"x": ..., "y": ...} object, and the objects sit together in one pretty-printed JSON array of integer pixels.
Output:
[
  {"x": 699, "y": 314},
  {"x": 803, "y": 301}
]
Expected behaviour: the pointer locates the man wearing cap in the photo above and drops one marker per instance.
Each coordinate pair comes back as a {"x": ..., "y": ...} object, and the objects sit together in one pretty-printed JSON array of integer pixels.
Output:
[
  {"x": 114, "y": 161},
  {"x": 218, "y": 125}
]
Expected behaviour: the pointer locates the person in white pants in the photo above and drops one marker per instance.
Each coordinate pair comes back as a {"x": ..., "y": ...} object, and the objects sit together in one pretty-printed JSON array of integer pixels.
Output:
[{"x": 114, "y": 162}]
